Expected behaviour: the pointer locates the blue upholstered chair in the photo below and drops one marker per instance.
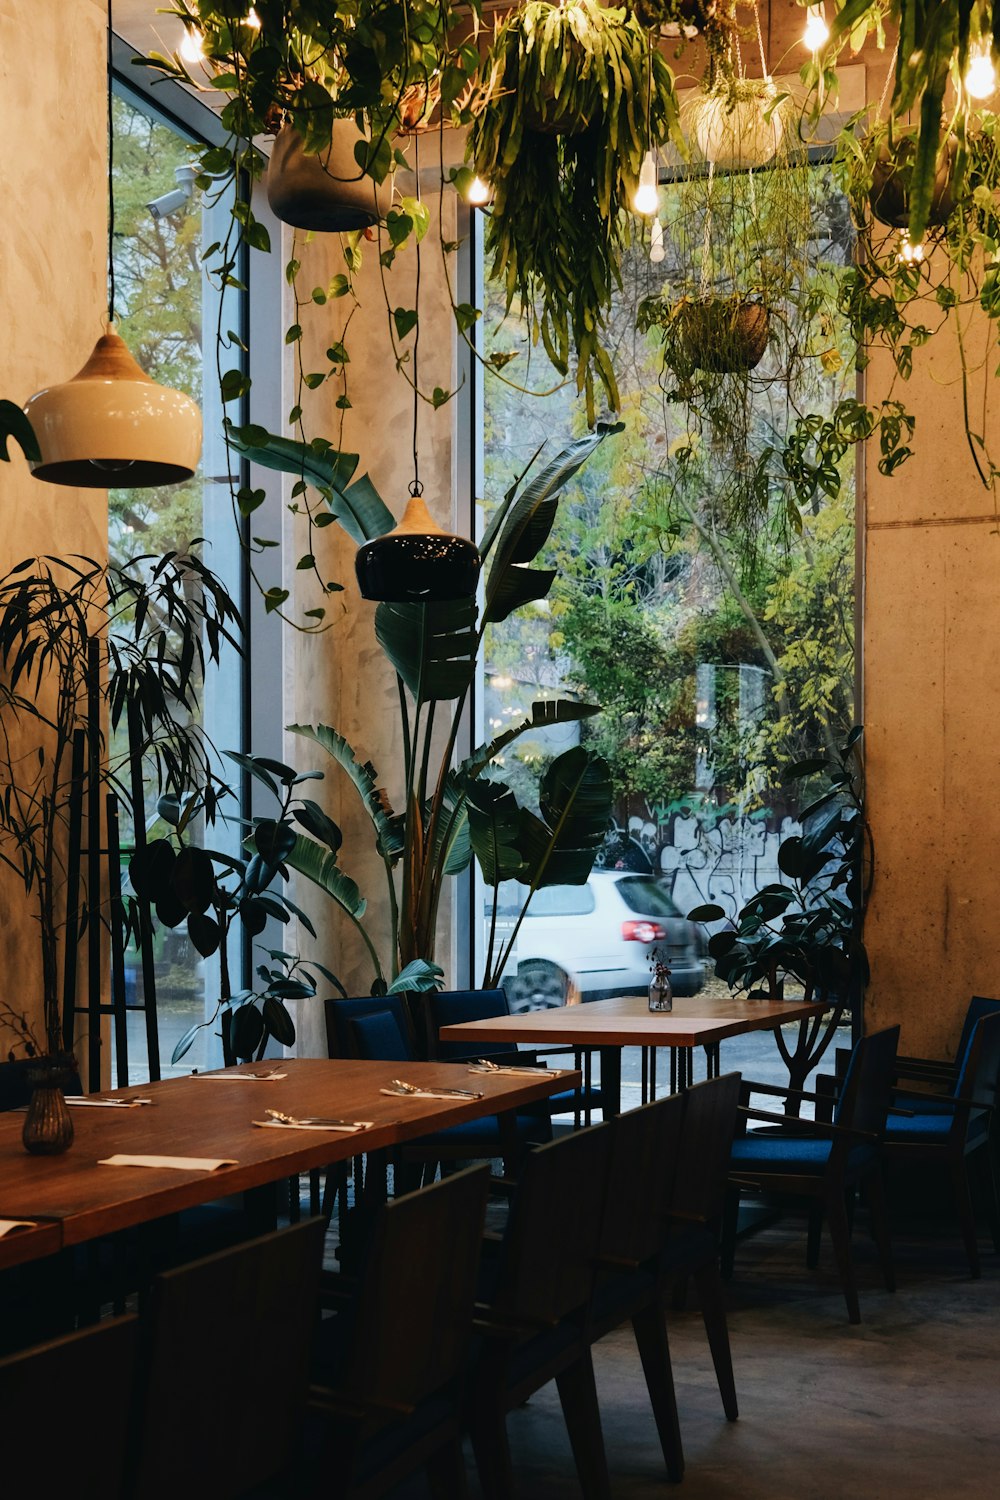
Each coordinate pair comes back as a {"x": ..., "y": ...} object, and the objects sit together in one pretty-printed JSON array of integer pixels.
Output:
[
  {"x": 451, "y": 1007},
  {"x": 377, "y": 1037},
  {"x": 340, "y": 1013},
  {"x": 946, "y": 1130},
  {"x": 825, "y": 1162}
]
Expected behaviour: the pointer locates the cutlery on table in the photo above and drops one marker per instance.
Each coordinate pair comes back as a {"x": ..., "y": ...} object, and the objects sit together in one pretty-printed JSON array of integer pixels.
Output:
[
  {"x": 88, "y": 1103},
  {"x": 483, "y": 1065},
  {"x": 410, "y": 1090},
  {"x": 278, "y": 1118}
]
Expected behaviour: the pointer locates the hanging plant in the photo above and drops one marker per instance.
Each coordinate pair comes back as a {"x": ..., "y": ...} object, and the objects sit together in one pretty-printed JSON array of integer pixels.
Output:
[
  {"x": 739, "y": 123},
  {"x": 720, "y": 335},
  {"x": 579, "y": 98},
  {"x": 327, "y": 191},
  {"x": 892, "y": 181}
]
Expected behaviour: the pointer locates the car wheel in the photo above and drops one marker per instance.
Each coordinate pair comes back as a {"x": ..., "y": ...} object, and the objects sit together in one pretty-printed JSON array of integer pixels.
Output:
[{"x": 539, "y": 985}]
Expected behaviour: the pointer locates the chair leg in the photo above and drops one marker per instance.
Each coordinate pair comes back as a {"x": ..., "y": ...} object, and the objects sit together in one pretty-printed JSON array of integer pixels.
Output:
[
  {"x": 730, "y": 1223},
  {"x": 880, "y": 1226},
  {"x": 713, "y": 1312},
  {"x": 987, "y": 1176},
  {"x": 840, "y": 1234},
  {"x": 815, "y": 1234},
  {"x": 446, "y": 1472},
  {"x": 578, "y": 1397},
  {"x": 650, "y": 1329},
  {"x": 966, "y": 1214},
  {"x": 488, "y": 1431}
]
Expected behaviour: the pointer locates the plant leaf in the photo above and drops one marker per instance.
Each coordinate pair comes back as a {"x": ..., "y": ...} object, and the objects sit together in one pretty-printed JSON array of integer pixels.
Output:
[{"x": 431, "y": 646}]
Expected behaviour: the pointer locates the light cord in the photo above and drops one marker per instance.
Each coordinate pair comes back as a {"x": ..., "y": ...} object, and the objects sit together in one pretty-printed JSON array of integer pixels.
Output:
[{"x": 111, "y": 180}]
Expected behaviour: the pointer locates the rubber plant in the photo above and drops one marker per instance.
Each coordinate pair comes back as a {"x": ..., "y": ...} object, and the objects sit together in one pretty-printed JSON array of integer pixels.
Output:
[
  {"x": 579, "y": 95},
  {"x": 808, "y": 931},
  {"x": 451, "y": 812}
]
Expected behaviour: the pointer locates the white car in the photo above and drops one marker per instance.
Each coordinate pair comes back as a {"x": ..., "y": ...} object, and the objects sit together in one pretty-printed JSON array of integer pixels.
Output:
[{"x": 585, "y": 942}]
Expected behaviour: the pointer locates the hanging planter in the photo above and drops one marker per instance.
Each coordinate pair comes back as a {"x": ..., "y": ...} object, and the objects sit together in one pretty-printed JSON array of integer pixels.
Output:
[
  {"x": 892, "y": 182},
  {"x": 739, "y": 124},
  {"x": 327, "y": 191},
  {"x": 722, "y": 335}
]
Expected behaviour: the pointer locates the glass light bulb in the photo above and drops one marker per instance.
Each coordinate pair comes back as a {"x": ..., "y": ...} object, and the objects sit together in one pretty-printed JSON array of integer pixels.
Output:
[
  {"x": 980, "y": 75},
  {"x": 656, "y": 247},
  {"x": 817, "y": 31},
  {"x": 480, "y": 193},
  {"x": 192, "y": 48},
  {"x": 252, "y": 19},
  {"x": 647, "y": 196},
  {"x": 908, "y": 253}
]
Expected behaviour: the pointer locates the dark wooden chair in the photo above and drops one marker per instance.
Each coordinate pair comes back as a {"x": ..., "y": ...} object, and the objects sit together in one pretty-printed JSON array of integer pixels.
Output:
[
  {"x": 534, "y": 1315},
  {"x": 635, "y": 1229},
  {"x": 450, "y": 1007},
  {"x": 224, "y": 1369},
  {"x": 948, "y": 1131},
  {"x": 340, "y": 1013},
  {"x": 824, "y": 1163},
  {"x": 939, "y": 1073},
  {"x": 65, "y": 1410},
  {"x": 390, "y": 1365}
]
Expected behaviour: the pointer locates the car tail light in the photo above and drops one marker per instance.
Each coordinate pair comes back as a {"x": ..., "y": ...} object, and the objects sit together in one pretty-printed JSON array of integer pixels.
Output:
[{"x": 643, "y": 932}]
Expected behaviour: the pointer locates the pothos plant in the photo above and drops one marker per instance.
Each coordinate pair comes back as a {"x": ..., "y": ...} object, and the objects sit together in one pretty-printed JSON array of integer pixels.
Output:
[
  {"x": 935, "y": 40},
  {"x": 808, "y": 930},
  {"x": 579, "y": 95},
  {"x": 451, "y": 813}
]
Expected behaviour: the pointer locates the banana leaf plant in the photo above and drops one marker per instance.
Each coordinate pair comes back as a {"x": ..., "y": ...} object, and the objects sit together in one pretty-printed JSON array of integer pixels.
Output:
[
  {"x": 808, "y": 930},
  {"x": 451, "y": 813}
]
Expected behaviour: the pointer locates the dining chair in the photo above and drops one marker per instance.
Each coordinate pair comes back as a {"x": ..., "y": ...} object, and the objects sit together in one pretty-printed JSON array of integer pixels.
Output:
[
  {"x": 65, "y": 1411},
  {"x": 950, "y": 1130},
  {"x": 533, "y": 1317},
  {"x": 824, "y": 1162},
  {"x": 376, "y": 1036},
  {"x": 389, "y": 1367},
  {"x": 452, "y": 1007},
  {"x": 224, "y": 1368},
  {"x": 339, "y": 1013}
]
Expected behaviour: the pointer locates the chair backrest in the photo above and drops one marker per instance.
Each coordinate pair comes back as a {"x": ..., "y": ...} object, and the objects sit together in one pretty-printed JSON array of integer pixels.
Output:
[
  {"x": 645, "y": 1146},
  {"x": 339, "y": 1014},
  {"x": 377, "y": 1038},
  {"x": 711, "y": 1112},
  {"x": 981, "y": 1070},
  {"x": 866, "y": 1092},
  {"x": 412, "y": 1319},
  {"x": 449, "y": 1007},
  {"x": 549, "y": 1252},
  {"x": 65, "y": 1410},
  {"x": 979, "y": 1006},
  {"x": 15, "y": 1089},
  {"x": 225, "y": 1367}
]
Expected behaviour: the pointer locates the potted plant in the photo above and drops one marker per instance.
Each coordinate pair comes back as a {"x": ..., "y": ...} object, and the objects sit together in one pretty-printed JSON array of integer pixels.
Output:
[
  {"x": 810, "y": 930},
  {"x": 892, "y": 167},
  {"x": 580, "y": 96},
  {"x": 138, "y": 634},
  {"x": 451, "y": 813},
  {"x": 738, "y": 123},
  {"x": 718, "y": 334}
]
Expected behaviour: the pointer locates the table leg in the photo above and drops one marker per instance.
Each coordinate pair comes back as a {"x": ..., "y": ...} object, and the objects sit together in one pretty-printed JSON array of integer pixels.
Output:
[
  {"x": 644, "y": 1088},
  {"x": 611, "y": 1080},
  {"x": 652, "y": 1072},
  {"x": 712, "y": 1060}
]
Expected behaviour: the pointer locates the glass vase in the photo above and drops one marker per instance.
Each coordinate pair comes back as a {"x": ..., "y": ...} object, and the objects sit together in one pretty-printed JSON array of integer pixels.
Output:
[
  {"x": 661, "y": 996},
  {"x": 48, "y": 1125}
]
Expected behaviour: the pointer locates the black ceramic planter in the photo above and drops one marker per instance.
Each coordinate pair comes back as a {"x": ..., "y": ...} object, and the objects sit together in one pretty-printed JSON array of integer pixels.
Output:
[
  {"x": 892, "y": 171},
  {"x": 418, "y": 562},
  {"x": 327, "y": 192}
]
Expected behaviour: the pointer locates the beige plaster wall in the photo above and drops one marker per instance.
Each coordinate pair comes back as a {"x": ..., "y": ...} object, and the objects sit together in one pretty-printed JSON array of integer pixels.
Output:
[
  {"x": 52, "y": 257},
  {"x": 340, "y": 677}
]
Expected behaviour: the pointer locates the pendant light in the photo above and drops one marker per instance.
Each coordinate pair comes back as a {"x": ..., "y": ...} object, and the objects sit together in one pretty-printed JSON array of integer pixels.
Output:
[
  {"x": 418, "y": 562},
  {"x": 112, "y": 424}
]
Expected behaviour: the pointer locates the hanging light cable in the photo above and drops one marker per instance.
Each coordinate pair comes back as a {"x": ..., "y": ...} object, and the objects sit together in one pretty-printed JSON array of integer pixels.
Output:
[
  {"x": 111, "y": 421},
  {"x": 418, "y": 562}
]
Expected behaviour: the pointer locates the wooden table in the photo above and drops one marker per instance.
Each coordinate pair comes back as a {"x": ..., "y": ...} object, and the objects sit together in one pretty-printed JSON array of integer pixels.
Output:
[
  {"x": 22, "y": 1245},
  {"x": 627, "y": 1021},
  {"x": 197, "y": 1117}
]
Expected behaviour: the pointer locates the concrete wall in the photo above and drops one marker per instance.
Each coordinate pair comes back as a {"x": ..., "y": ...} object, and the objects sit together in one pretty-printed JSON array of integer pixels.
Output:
[{"x": 53, "y": 249}]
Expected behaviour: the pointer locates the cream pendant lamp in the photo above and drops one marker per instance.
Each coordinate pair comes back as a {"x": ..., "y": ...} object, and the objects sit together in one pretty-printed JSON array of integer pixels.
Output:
[{"x": 111, "y": 424}]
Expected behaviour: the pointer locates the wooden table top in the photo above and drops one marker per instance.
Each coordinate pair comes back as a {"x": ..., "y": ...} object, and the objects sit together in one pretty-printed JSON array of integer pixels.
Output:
[
  {"x": 627, "y": 1021},
  {"x": 196, "y": 1117},
  {"x": 21, "y": 1245}
]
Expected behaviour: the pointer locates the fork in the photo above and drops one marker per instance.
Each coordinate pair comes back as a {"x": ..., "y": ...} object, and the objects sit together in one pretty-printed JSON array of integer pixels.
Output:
[
  {"x": 276, "y": 1114},
  {"x": 401, "y": 1087}
]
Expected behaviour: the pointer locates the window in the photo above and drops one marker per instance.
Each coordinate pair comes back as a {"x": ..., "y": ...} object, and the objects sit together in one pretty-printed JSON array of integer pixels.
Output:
[{"x": 168, "y": 311}]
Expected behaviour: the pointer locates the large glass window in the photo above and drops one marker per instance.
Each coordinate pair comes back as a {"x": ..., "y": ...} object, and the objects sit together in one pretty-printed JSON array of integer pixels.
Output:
[
  {"x": 168, "y": 312},
  {"x": 716, "y": 664}
]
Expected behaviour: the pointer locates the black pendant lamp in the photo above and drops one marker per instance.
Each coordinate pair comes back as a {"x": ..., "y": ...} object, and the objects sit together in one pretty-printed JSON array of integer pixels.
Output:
[{"x": 417, "y": 562}]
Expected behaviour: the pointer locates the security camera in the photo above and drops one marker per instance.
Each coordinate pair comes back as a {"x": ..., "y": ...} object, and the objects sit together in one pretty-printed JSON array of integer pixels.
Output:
[{"x": 169, "y": 203}]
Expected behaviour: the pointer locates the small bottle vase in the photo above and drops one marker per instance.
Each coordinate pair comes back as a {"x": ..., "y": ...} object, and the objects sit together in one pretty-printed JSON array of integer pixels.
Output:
[{"x": 661, "y": 996}]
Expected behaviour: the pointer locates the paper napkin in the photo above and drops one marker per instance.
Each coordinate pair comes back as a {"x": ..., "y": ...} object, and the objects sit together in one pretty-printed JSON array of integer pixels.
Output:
[
  {"x": 8, "y": 1226},
  {"x": 181, "y": 1163}
]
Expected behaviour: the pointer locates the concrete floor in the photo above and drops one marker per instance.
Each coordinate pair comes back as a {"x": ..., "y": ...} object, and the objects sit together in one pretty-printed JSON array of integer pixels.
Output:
[{"x": 907, "y": 1404}]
